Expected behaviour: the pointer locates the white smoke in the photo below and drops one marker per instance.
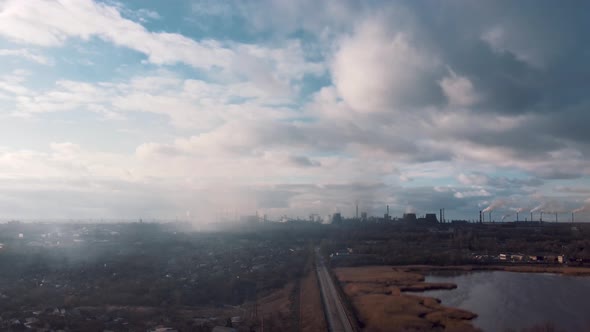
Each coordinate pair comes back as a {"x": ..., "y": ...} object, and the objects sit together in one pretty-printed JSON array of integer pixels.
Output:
[
  {"x": 538, "y": 208},
  {"x": 583, "y": 208},
  {"x": 495, "y": 204},
  {"x": 551, "y": 206},
  {"x": 410, "y": 209}
]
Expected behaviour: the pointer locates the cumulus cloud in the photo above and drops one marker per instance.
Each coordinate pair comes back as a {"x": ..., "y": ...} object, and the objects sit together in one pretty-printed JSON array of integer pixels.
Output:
[
  {"x": 326, "y": 104},
  {"x": 52, "y": 23},
  {"x": 378, "y": 67}
]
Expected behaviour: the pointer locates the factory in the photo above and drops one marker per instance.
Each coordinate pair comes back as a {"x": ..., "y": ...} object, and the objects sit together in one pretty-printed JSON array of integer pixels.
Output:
[{"x": 409, "y": 217}]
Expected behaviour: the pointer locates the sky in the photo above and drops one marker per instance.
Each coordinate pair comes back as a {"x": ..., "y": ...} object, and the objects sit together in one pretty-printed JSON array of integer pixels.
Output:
[{"x": 206, "y": 109}]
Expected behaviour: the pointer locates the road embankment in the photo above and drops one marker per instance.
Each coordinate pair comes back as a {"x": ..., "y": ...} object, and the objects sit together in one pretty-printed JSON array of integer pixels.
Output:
[{"x": 336, "y": 315}]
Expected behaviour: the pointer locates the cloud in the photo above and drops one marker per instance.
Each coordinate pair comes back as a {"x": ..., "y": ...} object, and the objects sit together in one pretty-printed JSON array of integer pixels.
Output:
[
  {"x": 12, "y": 84},
  {"x": 51, "y": 23},
  {"x": 272, "y": 68},
  {"x": 473, "y": 193},
  {"x": 302, "y": 161},
  {"x": 473, "y": 179},
  {"x": 573, "y": 190},
  {"x": 501, "y": 42},
  {"x": 323, "y": 104},
  {"x": 378, "y": 68},
  {"x": 458, "y": 90},
  {"x": 187, "y": 103},
  {"x": 24, "y": 53}
]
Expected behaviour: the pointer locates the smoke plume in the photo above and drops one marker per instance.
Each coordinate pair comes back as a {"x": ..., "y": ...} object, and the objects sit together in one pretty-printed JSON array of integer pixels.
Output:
[
  {"x": 583, "y": 208},
  {"x": 495, "y": 204},
  {"x": 552, "y": 206},
  {"x": 410, "y": 209}
]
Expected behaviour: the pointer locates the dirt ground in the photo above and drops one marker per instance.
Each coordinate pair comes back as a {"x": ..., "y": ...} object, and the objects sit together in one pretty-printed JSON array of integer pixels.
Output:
[
  {"x": 311, "y": 310},
  {"x": 377, "y": 294}
]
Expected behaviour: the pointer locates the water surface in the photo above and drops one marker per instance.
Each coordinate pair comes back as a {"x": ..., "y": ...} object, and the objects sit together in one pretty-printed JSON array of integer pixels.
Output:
[{"x": 509, "y": 300}]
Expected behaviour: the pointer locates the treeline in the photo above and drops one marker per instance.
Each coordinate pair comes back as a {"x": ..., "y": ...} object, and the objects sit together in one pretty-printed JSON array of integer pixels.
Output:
[{"x": 445, "y": 244}]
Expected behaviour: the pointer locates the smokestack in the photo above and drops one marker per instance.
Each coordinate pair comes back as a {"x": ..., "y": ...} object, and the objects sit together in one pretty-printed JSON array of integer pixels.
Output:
[
  {"x": 480, "y": 214},
  {"x": 387, "y": 209},
  {"x": 516, "y": 216},
  {"x": 490, "y": 215},
  {"x": 572, "y": 217},
  {"x": 357, "y": 211},
  {"x": 541, "y": 218},
  {"x": 531, "y": 217}
]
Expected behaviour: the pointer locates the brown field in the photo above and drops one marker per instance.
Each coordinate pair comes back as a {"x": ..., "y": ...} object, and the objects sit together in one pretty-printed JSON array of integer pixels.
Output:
[
  {"x": 376, "y": 292},
  {"x": 277, "y": 309},
  {"x": 312, "y": 312}
]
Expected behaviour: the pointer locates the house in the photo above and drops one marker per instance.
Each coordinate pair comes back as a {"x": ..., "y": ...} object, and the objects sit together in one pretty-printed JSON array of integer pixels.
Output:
[
  {"x": 550, "y": 258},
  {"x": 535, "y": 258}
]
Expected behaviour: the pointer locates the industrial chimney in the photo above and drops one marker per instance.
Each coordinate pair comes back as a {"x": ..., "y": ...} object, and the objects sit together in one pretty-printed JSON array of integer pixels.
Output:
[{"x": 480, "y": 215}]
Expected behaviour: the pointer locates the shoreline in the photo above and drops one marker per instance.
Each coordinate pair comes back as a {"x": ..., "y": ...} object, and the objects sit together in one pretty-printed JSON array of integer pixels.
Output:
[
  {"x": 563, "y": 270},
  {"x": 384, "y": 299},
  {"x": 388, "y": 297}
]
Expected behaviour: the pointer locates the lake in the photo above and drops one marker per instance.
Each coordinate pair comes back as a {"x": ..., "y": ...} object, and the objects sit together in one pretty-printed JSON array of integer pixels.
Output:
[{"x": 509, "y": 300}]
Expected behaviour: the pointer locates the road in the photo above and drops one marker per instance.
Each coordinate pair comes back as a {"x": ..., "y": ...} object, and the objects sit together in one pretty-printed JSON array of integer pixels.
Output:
[{"x": 333, "y": 307}]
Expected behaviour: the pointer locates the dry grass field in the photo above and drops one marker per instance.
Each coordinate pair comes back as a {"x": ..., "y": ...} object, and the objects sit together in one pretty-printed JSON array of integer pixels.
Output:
[
  {"x": 277, "y": 310},
  {"x": 312, "y": 312},
  {"x": 377, "y": 294}
]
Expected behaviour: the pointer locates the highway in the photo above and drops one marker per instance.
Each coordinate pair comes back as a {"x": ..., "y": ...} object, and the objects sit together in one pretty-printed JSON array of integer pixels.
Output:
[{"x": 333, "y": 307}]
